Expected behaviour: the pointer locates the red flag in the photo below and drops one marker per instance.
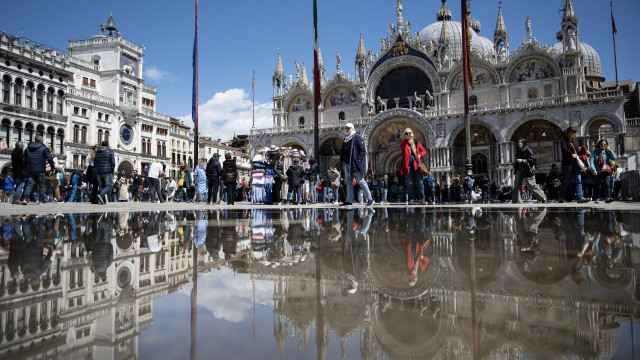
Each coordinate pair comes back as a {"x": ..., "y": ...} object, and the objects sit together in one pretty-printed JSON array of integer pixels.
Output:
[
  {"x": 613, "y": 24},
  {"x": 253, "y": 81}
]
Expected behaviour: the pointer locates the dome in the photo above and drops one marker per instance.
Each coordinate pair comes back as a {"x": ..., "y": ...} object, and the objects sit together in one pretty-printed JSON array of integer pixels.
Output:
[
  {"x": 591, "y": 58},
  {"x": 432, "y": 32}
]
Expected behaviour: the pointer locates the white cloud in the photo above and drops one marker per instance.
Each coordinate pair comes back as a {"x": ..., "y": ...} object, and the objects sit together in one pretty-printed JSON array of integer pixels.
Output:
[
  {"x": 154, "y": 73},
  {"x": 228, "y": 113},
  {"x": 228, "y": 296}
]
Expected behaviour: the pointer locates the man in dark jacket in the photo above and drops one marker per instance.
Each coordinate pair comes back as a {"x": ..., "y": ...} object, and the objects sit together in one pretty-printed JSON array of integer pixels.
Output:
[
  {"x": 35, "y": 164},
  {"x": 353, "y": 158},
  {"x": 105, "y": 165},
  {"x": 295, "y": 175},
  {"x": 17, "y": 161},
  {"x": 213, "y": 170}
]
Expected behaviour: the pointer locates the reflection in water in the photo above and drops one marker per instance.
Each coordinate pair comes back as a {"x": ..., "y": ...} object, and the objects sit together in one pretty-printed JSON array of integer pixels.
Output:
[{"x": 398, "y": 283}]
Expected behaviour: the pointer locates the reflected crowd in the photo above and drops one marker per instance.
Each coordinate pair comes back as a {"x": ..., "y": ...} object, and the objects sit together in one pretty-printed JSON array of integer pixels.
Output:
[{"x": 400, "y": 283}]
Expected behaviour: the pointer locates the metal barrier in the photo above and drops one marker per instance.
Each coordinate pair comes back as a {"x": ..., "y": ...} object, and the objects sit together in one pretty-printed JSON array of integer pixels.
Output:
[{"x": 630, "y": 185}]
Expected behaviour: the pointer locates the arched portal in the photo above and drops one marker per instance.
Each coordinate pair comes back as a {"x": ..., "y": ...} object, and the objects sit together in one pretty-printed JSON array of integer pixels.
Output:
[
  {"x": 402, "y": 83},
  {"x": 296, "y": 146},
  {"x": 385, "y": 141},
  {"x": 482, "y": 142},
  {"x": 125, "y": 167},
  {"x": 542, "y": 137},
  {"x": 602, "y": 129},
  {"x": 330, "y": 152}
]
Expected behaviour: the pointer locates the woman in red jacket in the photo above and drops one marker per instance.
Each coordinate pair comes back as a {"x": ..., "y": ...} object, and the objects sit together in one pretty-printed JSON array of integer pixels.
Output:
[{"x": 412, "y": 153}]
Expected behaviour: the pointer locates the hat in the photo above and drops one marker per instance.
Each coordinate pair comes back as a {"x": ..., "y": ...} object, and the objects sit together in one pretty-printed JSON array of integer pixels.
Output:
[
  {"x": 349, "y": 125},
  {"x": 216, "y": 155},
  {"x": 105, "y": 143}
]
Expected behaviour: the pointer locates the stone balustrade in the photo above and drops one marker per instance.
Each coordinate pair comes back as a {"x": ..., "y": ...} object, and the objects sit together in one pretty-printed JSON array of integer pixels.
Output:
[{"x": 91, "y": 96}]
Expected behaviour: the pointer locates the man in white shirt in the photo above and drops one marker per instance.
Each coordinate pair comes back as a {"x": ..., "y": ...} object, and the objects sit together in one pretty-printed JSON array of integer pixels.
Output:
[{"x": 155, "y": 172}]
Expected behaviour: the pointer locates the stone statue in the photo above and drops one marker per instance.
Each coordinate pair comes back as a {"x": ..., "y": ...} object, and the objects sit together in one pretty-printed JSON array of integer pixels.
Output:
[
  {"x": 407, "y": 27},
  {"x": 399, "y": 10},
  {"x": 103, "y": 27},
  {"x": 363, "y": 96},
  {"x": 383, "y": 104},
  {"x": 290, "y": 79},
  {"x": 392, "y": 29},
  {"x": 428, "y": 100},
  {"x": 571, "y": 44},
  {"x": 338, "y": 62},
  {"x": 297, "y": 70},
  {"x": 527, "y": 25},
  {"x": 417, "y": 101}
]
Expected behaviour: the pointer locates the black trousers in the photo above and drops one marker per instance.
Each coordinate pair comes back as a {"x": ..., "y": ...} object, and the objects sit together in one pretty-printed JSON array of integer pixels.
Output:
[
  {"x": 231, "y": 193},
  {"x": 213, "y": 183},
  {"x": 276, "y": 197}
]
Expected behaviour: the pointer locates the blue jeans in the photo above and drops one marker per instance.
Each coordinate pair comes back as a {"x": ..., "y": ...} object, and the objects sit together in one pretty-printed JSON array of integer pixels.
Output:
[
  {"x": 105, "y": 182},
  {"x": 349, "y": 176},
  {"x": 313, "y": 191},
  {"x": 570, "y": 172},
  {"x": 326, "y": 194},
  {"x": 414, "y": 185},
  {"x": 32, "y": 178},
  {"x": 384, "y": 195},
  {"x": 296, "y": 191},
  {"x": 74, "y": 190},
  {"x": 19, "y": 187}
]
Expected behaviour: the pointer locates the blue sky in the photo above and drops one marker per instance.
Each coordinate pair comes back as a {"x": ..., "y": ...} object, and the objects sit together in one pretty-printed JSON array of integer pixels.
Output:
[{"x": 238, "y": 37}]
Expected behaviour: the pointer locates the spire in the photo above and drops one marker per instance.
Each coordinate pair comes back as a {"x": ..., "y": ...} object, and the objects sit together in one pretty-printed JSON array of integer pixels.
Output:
[
  {"x": 279, "y": 69},
  {"x": 501, "y": 29},
  {"x": 304, "y": 74},
  {"x": 569, "y": 13},
  {"x": 444, "y": 32},
  {"x": 444, "y": 13},
  {"x": 361, "y": 54}
]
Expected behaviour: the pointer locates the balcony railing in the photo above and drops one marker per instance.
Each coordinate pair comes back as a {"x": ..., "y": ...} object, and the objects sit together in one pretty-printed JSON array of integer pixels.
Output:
[
  {"x": 458, "y": 111},
  {"x": 91, "y": 96}
]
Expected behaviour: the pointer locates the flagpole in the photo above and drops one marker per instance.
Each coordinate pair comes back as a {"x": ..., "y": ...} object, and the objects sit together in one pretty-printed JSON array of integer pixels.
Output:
[
  {"x": 465, "y": 64},
  {"x": 316, "y": 84},
  {"x": 613, "y": 34},
  {"x": 194, "y": 105},
  {"x": 253, "y": 101}
]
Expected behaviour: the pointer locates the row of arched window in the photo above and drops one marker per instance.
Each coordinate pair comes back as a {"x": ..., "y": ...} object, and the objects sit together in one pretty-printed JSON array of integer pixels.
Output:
[
  {"x": 28, "y": 95},
  {"x": 12, "y": 133},
  {"x": 161, "y": 148}
]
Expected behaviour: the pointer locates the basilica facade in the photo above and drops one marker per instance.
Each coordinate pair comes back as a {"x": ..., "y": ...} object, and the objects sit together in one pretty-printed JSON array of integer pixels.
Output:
[{"x": 533, "y": 91}]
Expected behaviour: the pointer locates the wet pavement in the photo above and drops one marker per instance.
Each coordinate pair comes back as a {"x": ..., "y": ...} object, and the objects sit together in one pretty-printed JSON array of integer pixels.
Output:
[{"x": 458, "y": 282}]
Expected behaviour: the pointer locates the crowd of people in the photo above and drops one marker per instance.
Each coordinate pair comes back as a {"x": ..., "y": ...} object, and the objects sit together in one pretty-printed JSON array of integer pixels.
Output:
[{"x": 288, "y": 176}]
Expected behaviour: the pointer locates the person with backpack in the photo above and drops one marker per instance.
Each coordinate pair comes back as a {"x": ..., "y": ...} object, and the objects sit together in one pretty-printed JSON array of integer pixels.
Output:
[
  {"x": 524, "y": 166},
  {"x": 601, "y": 167},
  {"x": 468, "y": 182},
  {"x": 75, "y": 183}
]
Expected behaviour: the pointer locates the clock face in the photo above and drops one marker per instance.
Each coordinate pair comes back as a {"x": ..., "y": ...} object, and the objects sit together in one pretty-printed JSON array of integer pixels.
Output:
[
  {"x": 126, "y": 134},
  {"x": 124, "y": 276}
]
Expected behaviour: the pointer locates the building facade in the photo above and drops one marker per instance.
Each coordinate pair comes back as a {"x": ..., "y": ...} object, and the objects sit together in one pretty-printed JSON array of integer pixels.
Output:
[
  {"x": 534, "y": 91},
  {"x": 95, "y": 92}
]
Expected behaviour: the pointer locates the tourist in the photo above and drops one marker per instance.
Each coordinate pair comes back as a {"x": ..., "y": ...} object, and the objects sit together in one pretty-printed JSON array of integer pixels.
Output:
[
  {"x": 295, "y": 179},
  {"x": 200, "y": 179},
  {"x": 52, "y": 177},
  {"x": 136, "y": 184},
  {"x": 429, "y": 188},
  {"x": 524, "y": 166},
  {"x": 312, "y": 173},
  {"x": 353, "y": 158},
  {"x": 230, "y": 177},
  {"x": 213, "y": 171},
  {"x": 601, "y": 163},
  {"x": 412, "y": 153},
  {"x": 326, "y": 187},
  {"x": 570, "y": 169},
  {"x": 334, "y": 175},
  {"x": 123, "y": 187},
  {"x": 17, "y": 166},
  {"x": 91, "y": 175},
  {"x": 184, "y": 183},
  {"x": 75, "y": 182},
  {"x": 153, "y": 178},
  {"x": 36, "y": 158},
  {"x": 278, "y": 177},
  {"x": 9, "y": 186},
  {"x": 105, "y": 164}
]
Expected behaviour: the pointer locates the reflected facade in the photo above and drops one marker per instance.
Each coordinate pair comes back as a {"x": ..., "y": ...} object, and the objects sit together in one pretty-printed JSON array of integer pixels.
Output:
[{"x": 398, "y": 283}]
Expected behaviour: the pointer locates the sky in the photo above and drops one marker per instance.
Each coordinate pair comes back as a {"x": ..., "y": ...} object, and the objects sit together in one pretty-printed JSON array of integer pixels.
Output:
[{"x": 237, "y": 38}]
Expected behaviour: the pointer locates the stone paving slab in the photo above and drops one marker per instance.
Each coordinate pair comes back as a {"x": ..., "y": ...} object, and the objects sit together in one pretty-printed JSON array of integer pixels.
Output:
[{"x": 7, "y": 209}]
